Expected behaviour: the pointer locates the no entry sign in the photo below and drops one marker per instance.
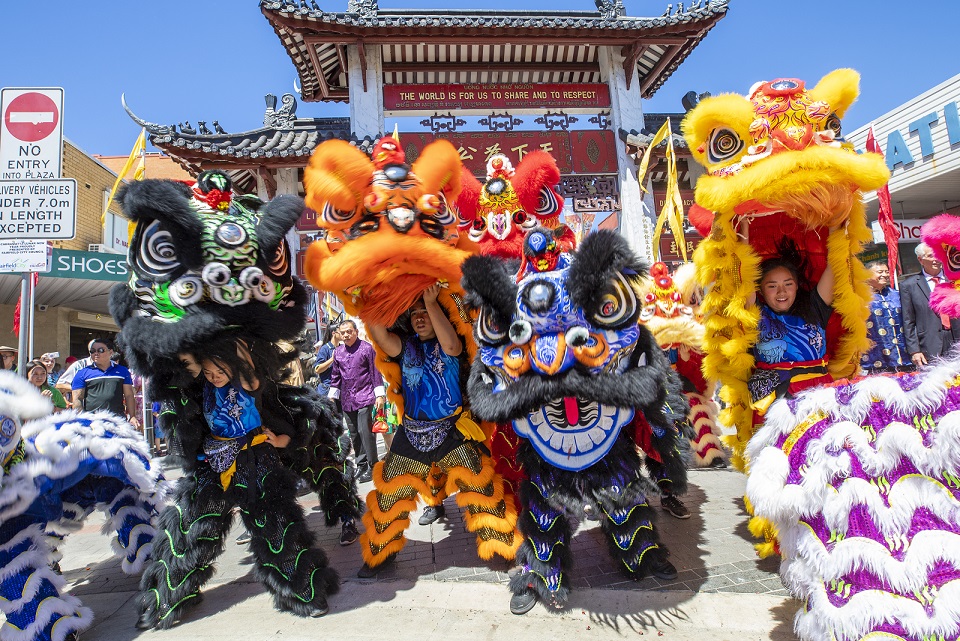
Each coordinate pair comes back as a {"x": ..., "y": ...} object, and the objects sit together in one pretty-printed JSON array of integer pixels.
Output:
[{"x": 31, "y": 133}]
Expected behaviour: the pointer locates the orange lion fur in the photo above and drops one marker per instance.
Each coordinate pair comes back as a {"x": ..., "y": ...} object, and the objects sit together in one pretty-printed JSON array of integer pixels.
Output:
[{"x": 337, "y": 173}]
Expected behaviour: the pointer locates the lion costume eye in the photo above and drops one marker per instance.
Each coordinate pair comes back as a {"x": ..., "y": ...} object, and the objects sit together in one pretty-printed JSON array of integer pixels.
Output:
[
  {"x": 250, "y": 277},
  {"x": 724, "y": 144},
  {"x": 833, "y": 122},
  {"x": 953, "y": 257},
  {"x": 216, "y": 274},
  {"x": 521, "y": 332},
  {"x": 618, "y": 306},
  {"x": 156, "y": 256},
  {"x": 489, "y": 330}
]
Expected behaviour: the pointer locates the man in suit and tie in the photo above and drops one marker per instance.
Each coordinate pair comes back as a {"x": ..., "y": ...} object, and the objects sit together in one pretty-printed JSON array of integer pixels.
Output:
[{"x": 928, "y": 334}]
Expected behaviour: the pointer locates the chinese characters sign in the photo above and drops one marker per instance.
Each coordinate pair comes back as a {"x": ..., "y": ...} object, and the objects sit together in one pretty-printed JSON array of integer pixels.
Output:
[
  {"x": 497, "y": 96},
  {"x": 574, "y": 151}
]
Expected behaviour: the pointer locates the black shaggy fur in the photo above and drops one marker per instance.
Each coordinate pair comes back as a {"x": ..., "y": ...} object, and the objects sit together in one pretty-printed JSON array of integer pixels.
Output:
[
  {"x": 293, "y": 570},
  {"x": 602, "y": 255},
  {"x": 265, "y": 484},
  {"x": 279, "y": 215},
  {"x": 167, "y": 200},
  {"x": 489, "y": 285}
]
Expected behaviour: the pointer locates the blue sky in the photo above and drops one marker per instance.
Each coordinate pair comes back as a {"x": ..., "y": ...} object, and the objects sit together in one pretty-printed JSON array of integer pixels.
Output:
[{"x": 204, "y": 60}]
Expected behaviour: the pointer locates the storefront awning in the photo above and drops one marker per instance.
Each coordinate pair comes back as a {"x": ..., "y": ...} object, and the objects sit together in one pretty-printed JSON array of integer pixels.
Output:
[
  {"x": 75, "y": 293},
  {"x": 78, "y": 280}
]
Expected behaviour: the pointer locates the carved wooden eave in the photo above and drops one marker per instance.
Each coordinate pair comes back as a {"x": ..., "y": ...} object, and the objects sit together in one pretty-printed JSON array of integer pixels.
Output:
[
  {"x": 460, "y": 46},
  {"x": 284, "y": 141}
]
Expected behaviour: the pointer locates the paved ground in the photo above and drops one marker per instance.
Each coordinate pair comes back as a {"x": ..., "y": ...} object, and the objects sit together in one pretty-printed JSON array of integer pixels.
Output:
[{"x": 439, "y": 585}]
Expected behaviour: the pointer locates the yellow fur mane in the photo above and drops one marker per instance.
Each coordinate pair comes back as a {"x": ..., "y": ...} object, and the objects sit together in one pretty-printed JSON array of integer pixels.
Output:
[{"x": 777, "y": 152}]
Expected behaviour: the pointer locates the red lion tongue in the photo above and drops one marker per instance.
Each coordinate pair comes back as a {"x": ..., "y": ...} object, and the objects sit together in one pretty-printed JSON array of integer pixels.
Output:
[{"x": 571, "y": 409}]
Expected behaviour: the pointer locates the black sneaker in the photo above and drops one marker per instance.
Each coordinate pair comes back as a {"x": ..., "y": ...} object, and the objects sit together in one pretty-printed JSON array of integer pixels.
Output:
[
  {"x": 718, "y": 463},
  {"x": 523, "y": 602},
  {"x": 348, "y": 533},
  {"x": 365, "y": 477},
  {"x": 319, "y": 610},
  {"x": 432, "y": 513},
  {"x": 244, "y": 538},
  {"x": 663, "y": 569},
  {"x": 367, "y": 572},
  {"x": 674, "y": 506}
]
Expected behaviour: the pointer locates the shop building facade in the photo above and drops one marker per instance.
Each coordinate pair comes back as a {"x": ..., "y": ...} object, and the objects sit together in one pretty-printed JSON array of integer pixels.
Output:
[{"x": 920, "y": 140}]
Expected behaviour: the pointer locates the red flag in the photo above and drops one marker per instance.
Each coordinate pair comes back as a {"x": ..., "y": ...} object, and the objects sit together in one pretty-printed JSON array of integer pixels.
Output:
[
  {"x": 891, "y": 235},
  {"x": 16, "y": 311}
]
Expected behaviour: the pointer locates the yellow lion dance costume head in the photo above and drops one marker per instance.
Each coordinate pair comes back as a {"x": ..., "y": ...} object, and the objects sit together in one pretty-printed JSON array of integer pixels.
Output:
[{"x": 776, "y": 161}]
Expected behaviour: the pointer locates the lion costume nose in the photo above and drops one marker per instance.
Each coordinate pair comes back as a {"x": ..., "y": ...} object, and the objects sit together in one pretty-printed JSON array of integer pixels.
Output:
[
  {"x": 539, "y": 296},
  {"x": 550, "y": 354}
]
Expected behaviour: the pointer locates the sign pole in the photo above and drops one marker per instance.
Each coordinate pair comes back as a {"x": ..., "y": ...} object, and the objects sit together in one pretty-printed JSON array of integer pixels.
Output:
[
  {"x": 33, "y": 306},
  {"x": 26, "y": 287}
]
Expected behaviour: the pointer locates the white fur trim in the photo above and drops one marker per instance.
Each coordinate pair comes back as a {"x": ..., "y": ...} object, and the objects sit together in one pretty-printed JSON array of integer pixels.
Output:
[
  {"x": 75, "y": 618},
  {"x": 55, "y": 446},
  {"x": 826, "y": 488},
  {"x": 20, "y": 399}
]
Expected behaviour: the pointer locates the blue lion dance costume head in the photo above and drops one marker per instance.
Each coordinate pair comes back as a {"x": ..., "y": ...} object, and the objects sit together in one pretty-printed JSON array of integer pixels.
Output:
[
  {"x": 56, "y": 469},
  {"x": 561, "y": 356}
]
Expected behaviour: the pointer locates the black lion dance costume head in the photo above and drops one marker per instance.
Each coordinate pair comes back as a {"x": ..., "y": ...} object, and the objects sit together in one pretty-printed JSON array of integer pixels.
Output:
[
  {"x": 562, "y": 356},
  {"x": 210, "y": 294}
]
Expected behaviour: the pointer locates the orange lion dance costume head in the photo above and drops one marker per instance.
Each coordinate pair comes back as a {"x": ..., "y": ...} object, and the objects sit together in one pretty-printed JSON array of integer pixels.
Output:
[{"x": 391, "y": 232}]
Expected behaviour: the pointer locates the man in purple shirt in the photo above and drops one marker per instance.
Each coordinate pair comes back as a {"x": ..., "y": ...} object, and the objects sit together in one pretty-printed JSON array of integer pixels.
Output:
[{"x": 359, "y": 386}]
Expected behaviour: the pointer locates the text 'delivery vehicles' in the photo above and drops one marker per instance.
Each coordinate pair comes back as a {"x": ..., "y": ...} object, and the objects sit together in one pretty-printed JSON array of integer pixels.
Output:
[{"x": 38, "y": 209}]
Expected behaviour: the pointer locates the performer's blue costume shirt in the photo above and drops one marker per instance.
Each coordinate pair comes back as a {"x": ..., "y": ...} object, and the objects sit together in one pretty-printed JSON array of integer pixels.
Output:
[
  {"x": 431, "y": 380},
  {"x": 789, "y": 338},
  {"x": 230, "y": 411}
]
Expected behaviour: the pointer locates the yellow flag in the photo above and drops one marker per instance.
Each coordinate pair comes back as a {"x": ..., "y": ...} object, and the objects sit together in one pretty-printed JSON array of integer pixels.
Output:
[
  {"x": 672, "y": 212},
  {"x": 141, "y": 168},
  {"x": 657, "y": 139},
  {"x": 137, "y": 152}
]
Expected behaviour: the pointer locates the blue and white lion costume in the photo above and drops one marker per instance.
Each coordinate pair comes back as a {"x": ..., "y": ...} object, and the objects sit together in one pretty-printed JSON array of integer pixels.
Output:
[{"x": 56, "y": 468}]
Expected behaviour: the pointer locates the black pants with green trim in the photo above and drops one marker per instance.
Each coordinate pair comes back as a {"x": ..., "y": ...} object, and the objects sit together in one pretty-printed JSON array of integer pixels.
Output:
[{"x": 192, "y": 532}]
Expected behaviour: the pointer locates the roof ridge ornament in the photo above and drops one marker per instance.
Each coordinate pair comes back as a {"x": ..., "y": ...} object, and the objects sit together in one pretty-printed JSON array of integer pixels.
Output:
[
  {"x": 151, "y": 127},
  {"x": 364, "y": 8},
  {"x": 610, "y": 9},
  {"x": 285, "y": 116}
]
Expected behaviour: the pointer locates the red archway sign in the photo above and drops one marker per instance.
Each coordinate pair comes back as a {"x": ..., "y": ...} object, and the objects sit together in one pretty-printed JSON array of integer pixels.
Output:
[{"x": 31, "y": 117}]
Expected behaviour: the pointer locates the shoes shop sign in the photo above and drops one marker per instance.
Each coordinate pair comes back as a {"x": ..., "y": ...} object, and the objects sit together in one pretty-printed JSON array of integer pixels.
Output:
[{"x": 68, "y": 263}]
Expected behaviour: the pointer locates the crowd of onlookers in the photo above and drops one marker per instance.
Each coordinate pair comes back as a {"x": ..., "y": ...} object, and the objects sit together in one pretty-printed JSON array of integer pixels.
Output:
[
  {"x": 95, "y": 382},
  {"x": 906, "y": 333}
]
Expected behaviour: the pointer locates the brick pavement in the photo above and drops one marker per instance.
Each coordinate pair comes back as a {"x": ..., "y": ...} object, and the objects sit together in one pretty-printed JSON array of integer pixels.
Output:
[{"x": 712, "y": 551}]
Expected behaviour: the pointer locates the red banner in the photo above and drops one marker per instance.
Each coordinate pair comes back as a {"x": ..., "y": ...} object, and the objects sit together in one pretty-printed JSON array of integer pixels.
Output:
[
  {"x": 670, "y": 253},
  {"x": 593, "y": 152},
  {"x": 308, "y": 221},
  {"x": 476, "y": 147},
  {"x": 660, "y": 197},
  {"x": 498, "y": 96},
  {"x": 583, "y": 152}
]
